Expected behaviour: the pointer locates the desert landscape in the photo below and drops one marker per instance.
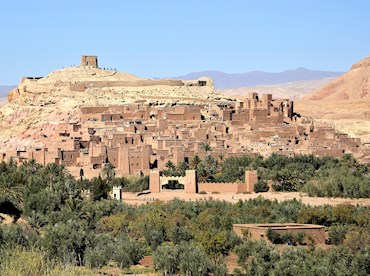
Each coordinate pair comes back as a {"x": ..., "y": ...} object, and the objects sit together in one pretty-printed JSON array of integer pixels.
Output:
[
  {"x": 86, "y": 138},
  {"x": 343, "y": 103},
  {"x": 187, "y": 138}
]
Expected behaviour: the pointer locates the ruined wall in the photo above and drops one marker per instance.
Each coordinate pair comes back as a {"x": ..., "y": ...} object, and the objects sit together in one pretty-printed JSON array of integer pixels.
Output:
[{"x": 136, "y": 83}]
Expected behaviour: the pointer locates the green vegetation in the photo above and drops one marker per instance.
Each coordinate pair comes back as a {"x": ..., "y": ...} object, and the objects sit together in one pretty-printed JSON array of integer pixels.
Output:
[
  {"x": 285, "y": 238},
  {"x": 325, "y": 177},
  {"x": 259, "y": 258},
  {"x": 261, "y": 186},
  {"x": 62, "y": 233}
]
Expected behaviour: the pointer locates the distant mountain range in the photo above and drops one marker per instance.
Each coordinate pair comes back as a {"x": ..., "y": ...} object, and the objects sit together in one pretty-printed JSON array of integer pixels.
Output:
[
  {"x": 289, "y": 90},
  {"x": 224, "y": 80}
]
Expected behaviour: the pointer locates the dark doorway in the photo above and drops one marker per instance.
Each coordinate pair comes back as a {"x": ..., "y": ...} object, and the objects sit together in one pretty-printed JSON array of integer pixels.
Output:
[{"x": 173, "y": 185}]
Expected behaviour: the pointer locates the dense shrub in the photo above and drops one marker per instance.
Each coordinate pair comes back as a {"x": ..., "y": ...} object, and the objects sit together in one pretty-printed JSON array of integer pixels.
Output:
[
  {"x": 185, "y": 259},
  {"x": 67, "y": 242},
  {"x": 261, "y": 186},
  {"x": 259, "y": 258},
  {"x": 68, "y": 230},
  {"x": 14, "y": 235},
  {"x": 337, "y": 234}
]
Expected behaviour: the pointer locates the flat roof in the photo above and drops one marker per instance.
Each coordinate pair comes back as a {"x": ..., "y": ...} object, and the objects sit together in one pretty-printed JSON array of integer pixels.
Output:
[{"x": 279, "y": 226}]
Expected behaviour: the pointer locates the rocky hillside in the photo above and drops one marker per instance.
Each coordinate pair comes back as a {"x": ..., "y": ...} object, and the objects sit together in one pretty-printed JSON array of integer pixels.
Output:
[
  {"x": 83, "y": 85},
  {"x": 38, "y": 104},
  {"x": 353, "y": 85}
]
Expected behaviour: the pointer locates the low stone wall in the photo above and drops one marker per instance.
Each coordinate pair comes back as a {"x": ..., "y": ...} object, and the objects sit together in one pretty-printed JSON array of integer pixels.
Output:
[
  {"x": 218, "y": 187},
  {"x": 137, "y": 83}
]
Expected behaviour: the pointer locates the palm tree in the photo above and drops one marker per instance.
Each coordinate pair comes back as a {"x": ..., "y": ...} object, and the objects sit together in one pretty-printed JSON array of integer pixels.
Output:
[
  {"x": 10, "y": 190},
  {"x": 206, "y": 147},
  {"x": 170, "y": 165},
  {"x": 221, "y": 156},
  {"x": 182, "y": 167},
  {"x": 202, "y": 173},
  {"x": 194, "y": 162},
  {"x": 30, "y": 167},
  {"x": 53, "y": 173}
]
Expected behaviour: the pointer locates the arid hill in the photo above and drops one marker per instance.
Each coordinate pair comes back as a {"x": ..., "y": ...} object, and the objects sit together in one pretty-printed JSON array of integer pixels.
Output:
[
  {"x": 39, "y": 102},
  {"x": 86, "y": 85},
  {"x": 343, "y": 103},
  {"x": 353, "y": 85}
]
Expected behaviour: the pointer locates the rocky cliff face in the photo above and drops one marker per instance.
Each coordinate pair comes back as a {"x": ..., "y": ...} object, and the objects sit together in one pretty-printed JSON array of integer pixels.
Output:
[{"x": 353, "y": 85}]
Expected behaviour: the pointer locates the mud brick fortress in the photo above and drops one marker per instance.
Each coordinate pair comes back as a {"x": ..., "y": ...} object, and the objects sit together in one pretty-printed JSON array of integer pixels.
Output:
[{"x": 139, "y": 132}]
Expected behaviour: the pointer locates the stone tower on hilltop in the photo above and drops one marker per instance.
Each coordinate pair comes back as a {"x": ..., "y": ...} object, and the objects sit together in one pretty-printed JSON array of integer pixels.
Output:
[{"x": 89, "y": 61}]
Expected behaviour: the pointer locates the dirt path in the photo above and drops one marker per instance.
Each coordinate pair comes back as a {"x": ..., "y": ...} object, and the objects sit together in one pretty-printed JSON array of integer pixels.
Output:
[{"x": 232, "y": 197}]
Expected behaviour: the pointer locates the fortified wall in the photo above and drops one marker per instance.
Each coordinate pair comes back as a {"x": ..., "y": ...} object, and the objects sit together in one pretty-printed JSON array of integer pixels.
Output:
[{"x": 191, "y": 185}]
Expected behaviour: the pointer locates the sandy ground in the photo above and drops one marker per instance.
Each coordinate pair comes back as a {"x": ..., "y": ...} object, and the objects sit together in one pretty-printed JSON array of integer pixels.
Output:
[
  {"x": 132, "y": 199},
  {"x": 334, "y": 110}
]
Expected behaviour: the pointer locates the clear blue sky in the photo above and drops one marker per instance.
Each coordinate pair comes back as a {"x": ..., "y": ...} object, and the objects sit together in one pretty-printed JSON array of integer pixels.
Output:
[{"x": 174, "y": 37}]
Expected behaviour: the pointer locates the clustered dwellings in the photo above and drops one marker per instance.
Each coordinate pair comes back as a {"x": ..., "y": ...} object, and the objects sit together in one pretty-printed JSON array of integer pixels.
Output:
[
  {"x": 136, "y": 138},
  {"x": 323, "y": 141},
  {"x": 255, "y": 110}
]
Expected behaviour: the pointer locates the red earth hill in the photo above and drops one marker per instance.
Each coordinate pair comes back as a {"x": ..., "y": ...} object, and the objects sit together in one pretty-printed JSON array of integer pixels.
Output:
[{"x": 353, "y": 85}]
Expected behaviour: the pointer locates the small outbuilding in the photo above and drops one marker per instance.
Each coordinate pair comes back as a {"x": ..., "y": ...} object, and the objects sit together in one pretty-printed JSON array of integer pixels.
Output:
[{"x": 259, "y": 231}]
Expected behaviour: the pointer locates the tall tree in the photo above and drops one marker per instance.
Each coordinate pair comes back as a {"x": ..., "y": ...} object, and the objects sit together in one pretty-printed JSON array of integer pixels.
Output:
[{"x": 108, "y": 173}]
